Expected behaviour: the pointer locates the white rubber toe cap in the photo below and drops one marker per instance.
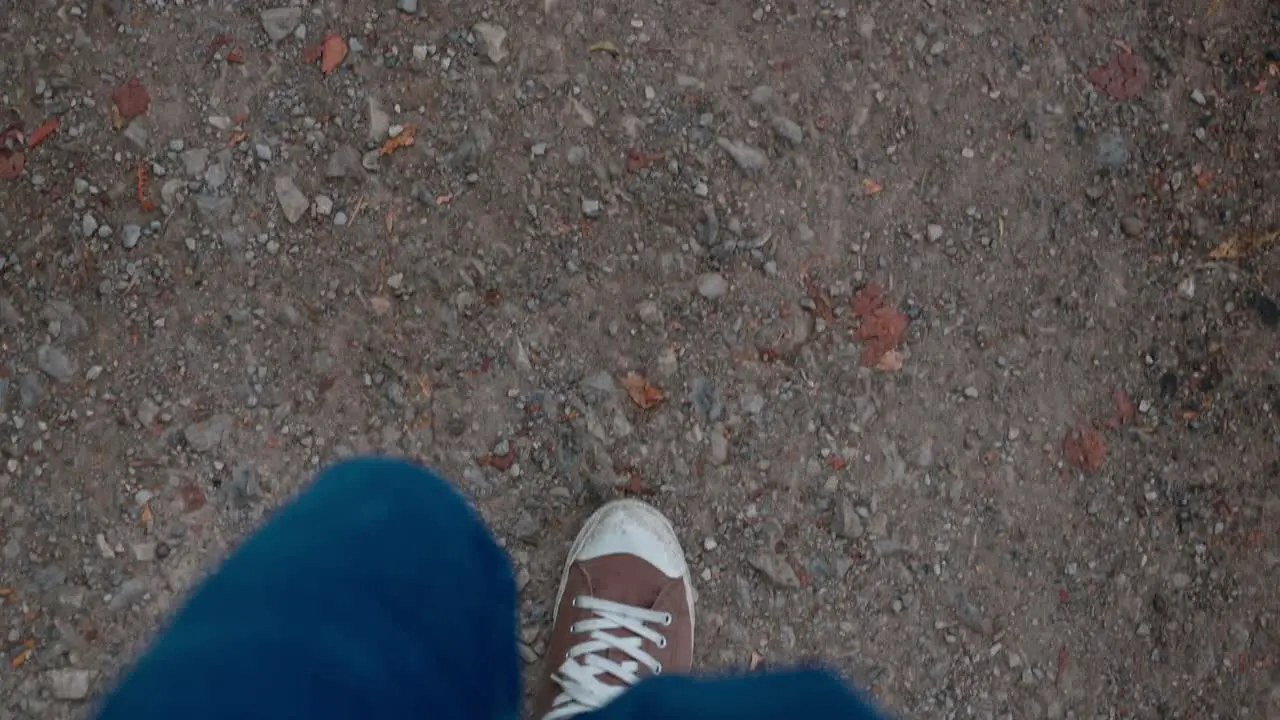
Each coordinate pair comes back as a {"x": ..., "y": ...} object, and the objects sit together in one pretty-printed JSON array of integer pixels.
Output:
[{"x": 634, "y": 528}]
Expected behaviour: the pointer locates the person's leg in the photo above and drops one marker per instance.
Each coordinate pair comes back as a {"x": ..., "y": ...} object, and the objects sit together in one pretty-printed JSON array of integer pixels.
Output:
[
  {"x": 623, "y": 637},
  {"x": 377, "y": 593}
]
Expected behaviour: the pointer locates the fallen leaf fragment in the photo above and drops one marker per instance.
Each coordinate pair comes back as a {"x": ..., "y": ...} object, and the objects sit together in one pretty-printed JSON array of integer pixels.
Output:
[
  {"x": 12, "y": 157},
  {"x": 605, "y": 46},
  {"x": 131, "y": 99},
  {"x": 144, "y": 182},
  {"x": 1122, "y": 78},
  {"x": 1084, "y": 449},
  {"x": 236, "y": 56},
  {"x": 43, "y": 132},
  {"x": 881, "y": 330},
  {"x": 890, "y": 362},
  {"x": 642, "y": 393},
  {"x": 871, "y": 187},
  {"x": 311, "y": 53},
  {"x": 333, "y": 52},
  {"x": 237, "y": 139},
  {"x": 637, "y": 160},
  {"x": 498, "y": 462},
  {"x": 403, "y": 140},
  {"x": 21, "y": 658},
  {"x": 1125, "y": 412},
  {"x": 1242, "y": 245}
]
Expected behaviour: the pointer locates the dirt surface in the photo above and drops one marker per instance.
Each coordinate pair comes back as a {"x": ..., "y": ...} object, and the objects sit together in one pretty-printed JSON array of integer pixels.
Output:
[{"x": 1056, "y": 495}]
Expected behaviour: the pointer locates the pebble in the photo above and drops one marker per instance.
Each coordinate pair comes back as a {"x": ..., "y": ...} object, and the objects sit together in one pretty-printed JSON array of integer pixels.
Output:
[
  {"x": 1180, "y": 580},
  {"x": 379, "y": 121},
  {"x": 1113, "y": 150},
  {"x": 1198, "y": 97},
  {"x": 340, "y": 218},
  {"x": 344, "y": 162},
  {"x": 129, "y": 591},
  {"x": 324, "y": 205},
  {"x": 407, "y": 6},
  {"x": 1131, "y": 225},
  {"x": 490, "y": 41},
  {"x": 788, "y": 129},
  {"x": 747, "y": 157},
  {"x": 292, "y": 202},
  {"x": 147, "y": 412},
  {"x": 775, "y": 568},
  {"x": 68, "y": 683},
  {"x": 1187, "y": 288},
  {"x": 971, "y": 392},
  {"x": 194, "y": 161},
  {"x": 55, "y": 363},
  {"x": 88, "y": 225},
  {"x": 207, "y": 435},
  {"x": 712, "y": 286},
  {"x": 137, "y": 134},
  {"x": 591, "y": 208},
  {"x": 280, "y": 22},
  {"x": 30, "y": 392},
  {"x": 850, "y": 522},
  {"x": 649, "y": 313},
  {"x": 934, "y": 232},
  {"x": 719, "y": 445},
  {"x": 262, "y": 151},
  {"x": 130, "y": 234},
  {"x": 215, "y": 176},
  {"x": 220, "y": 122},
  {"x": 761, "y": 95}
]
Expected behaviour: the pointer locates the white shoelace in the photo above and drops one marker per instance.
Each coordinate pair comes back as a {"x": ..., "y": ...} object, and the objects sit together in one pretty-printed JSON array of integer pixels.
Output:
[{"x": 580, "y": 674}]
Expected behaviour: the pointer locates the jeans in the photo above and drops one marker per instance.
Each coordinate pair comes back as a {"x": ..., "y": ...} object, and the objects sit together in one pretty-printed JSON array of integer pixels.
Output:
[{"x": 378, "y": 593}]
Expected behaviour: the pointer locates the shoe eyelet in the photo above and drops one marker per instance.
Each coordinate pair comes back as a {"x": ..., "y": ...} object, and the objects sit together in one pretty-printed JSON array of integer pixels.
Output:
[
  {"x": 657, "y": 669},
  {"x": 668, "y": 619},
  {"x": 573, "y": 629},
  {"x": 574, "y": 602},
  {"x": 662, "y": 643}
]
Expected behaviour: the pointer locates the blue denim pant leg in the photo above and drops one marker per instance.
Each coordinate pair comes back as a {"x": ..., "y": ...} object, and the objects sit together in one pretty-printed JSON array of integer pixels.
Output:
[{"x": 377, "y": 593}]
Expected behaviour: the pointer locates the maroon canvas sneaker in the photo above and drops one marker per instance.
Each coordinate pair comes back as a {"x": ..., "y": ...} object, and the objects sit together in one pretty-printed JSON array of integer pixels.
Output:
[{"x": 625, "y": 611}]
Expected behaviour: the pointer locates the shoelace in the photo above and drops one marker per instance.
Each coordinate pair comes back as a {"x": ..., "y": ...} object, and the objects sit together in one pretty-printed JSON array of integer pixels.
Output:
[{"x": 580, "y": 675}]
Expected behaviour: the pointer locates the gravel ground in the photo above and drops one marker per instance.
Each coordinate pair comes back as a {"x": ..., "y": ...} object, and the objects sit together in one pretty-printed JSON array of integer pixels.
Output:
[{"x": 563, "y": 252}]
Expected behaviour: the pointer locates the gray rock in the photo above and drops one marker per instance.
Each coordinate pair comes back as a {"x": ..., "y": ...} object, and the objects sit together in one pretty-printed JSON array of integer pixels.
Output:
[
  {"x": 761, "y": 95},
  {"x": 491, "y": 41},
  {"x": 263, "y": 151},
  {"x": 591, "y": 208},
  {"x": 147, "y": 412},
  {"x": 788, "y": 129},
  {"x": 130, "y": 235},
  {"x": 215, "y": 176},
  {"x": 649, "y": 313},
  {"x": 138, "y": 134},
  {"x": 1198, "y": 97},
  {"x": 775, "y": 568},
  {"x": 1131, "y": 225},
  {"x": 245, "y": 487},
  {"x": 207, "y": 435},
  {"x": 719, "y": 445},
  {"x": 55, "y": 363},
  {"x": 30, "y": 391},
  {"x": 292, "y": 202},
  {"x": 1113, "y": 150},
  {"x": 89, "y": 225},
  {"x": 379, "y": 121},
  {"x": 712, "y": 286},
  {"x": 280, "y": 22},
  {"x": 748, "y": 158},
  {"x": 344, "y": 163},
  {"x": 129, "y": 592},
  {"x": 849, "y": 522},
  {"x": 68, "y": 683},
  {"x": 407, "y": 6},
  {"x": 934, "y": 232},
  {"x": 705, "y": 399},
  {"x": 474, "y": 146},
  {"x": 170, "y": 190},
  {"x": 527, "y": 526},
  {"x": 213, "y": 207},
  {"x": 194, "y": 161}
]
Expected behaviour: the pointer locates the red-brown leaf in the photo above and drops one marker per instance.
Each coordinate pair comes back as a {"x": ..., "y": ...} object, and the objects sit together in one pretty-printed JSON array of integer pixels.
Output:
[
  {"x": 641, "y": 392},
  {"x": 131, "y": 99},
  {"x": 869, "y": 299},
  {"x": 1083, "y": 448},
  {"x": 1122, "y": 78},
  {"x": 637, "y": 160},
  {"x": 42, "y": 133},
  {"x": 311, "y": 54},
  {"x": 11, "y": 164},
  {"x": 1125, "y": 412},
  {"x": 332, "y": 53}
]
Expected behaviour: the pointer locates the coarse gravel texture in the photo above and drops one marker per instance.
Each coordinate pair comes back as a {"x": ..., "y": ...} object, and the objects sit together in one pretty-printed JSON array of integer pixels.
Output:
[{"x": 696, "y": 201}]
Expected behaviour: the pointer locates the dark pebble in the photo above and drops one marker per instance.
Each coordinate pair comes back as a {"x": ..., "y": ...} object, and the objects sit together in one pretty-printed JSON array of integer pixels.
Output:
[
  {"x": 1267, "y": 310},
  {"x": 1168, "y": 386}
]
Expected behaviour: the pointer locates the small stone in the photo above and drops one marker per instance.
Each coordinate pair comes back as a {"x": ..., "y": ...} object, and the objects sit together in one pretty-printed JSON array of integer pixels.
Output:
[
  {"x": 849, "y": 522},
  {"x": 215, "y": 176},
  {"x": 130, "y": 235},
  {"x": 130, "y": 591},
  {"x": 649, "y": 312},
  {"x": 344, "y": 162},
  {"x": 292, "y": 202},
  {"x": 407, "y": 6},
  {"x": 420, "y": 52},
  {"x": 1113, "y": 150},
  {"x": 712, "y": 286},
  {"x": 263, "y": 152},
  {"x": 207, "y": 435},
  {"x": 144, "y": 552},
  {"x": 719, "y": 445},
  {"x": 1187, "y": 288},
  {"x": 30, "y": 391},
  {"x": 761, "y": 95},
  {"x": 194, "y": 161},
  {"x": 138, "y": 134},
  {"x": 280, "y": 22},
  {"x": 1180, "y": 580},
  {"x": 68, "y": 683},
  {"x": 324, "y": 205},
  {"x": 340, "y": 218},
  {"x": 775, "y": 568},
  {"x": 748, "y": 158},
  {"x": 490, "y": 41},
  {"x": 379, "y": 121},
  {"x": 591, "y": 208},
  {"x": 1198, "y": 97},
  {"x": 148, "y": 410},
  {"x": 934, "y": 232},
  {"x": 170, "y": 189},
  {"x": 89, "y": 225},
  {"x": 55, "y": 363},
  {"x": 220, "y": 122},
  {"x": 971, "y": 392},
  {"x": 788, "y": 129},
  {"x": 1131, "y": 225}
]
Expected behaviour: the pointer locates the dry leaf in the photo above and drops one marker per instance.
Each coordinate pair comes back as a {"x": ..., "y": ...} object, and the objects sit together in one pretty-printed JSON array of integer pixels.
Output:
[
  {"x": 380, "y": 304},
  {"x": 144, "y": 180},
  {"x": 236, "y": 56},
  {"x": 498, "y": 462},
  {"x": 131, "y": 99},
  {"x": 43, "y": 132},
  {"x": 1125, "y": 412},
  {"x": 890, "y": 362},
  {"x": 641, "y": 392},
  {"x": 871, "y": 187},
  {"x": 867, "y": 300},
  {"x": 882, "y": 326},
  {"x": 311, "y": 53},
  {"x": 144, "y": 518},
  {"x": 237, "y": 139},
  {"x": 607, "y": 47},
  {"x": 1083, "y": 448},
  {"x": 12, "y": 158},
  {"x": 1122, "y": 78},
  {"x": 20, "y": 659},
  {"x": 333, "y": 52},
  {"x": 1241, "y": 246},
  {"x": 403, "y": 140}
]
